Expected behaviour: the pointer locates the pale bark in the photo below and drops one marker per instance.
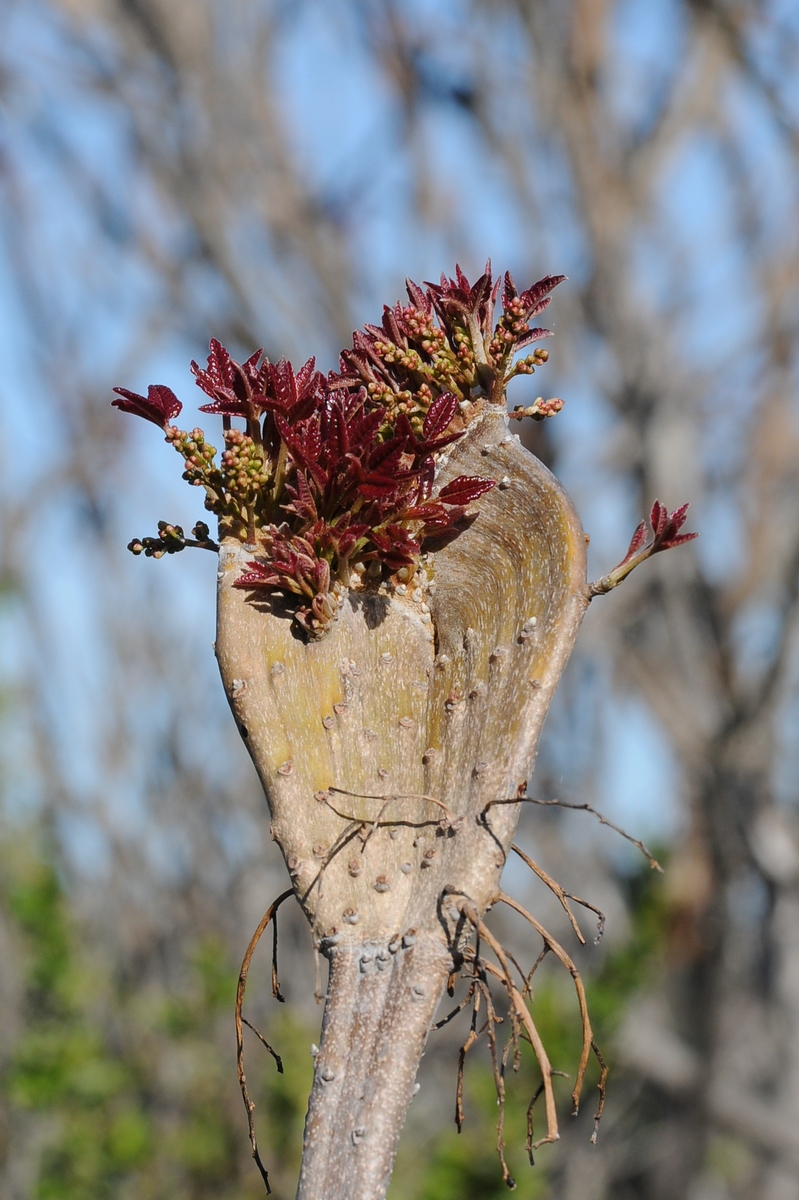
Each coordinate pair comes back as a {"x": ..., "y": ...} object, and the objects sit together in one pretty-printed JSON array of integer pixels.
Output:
[{"x": 377, "y": 1016}]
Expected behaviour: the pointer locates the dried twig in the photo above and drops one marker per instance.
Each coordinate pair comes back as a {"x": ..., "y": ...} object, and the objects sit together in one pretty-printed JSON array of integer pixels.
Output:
[
  {"x": 603, "y": 820},
  {"x": 527, "y": 989},
  {"x": 458, "y": 1009},
  {"x": 514, "y": 1039},
  {"x": 499, "y": 1083},
  {"x": 474, "y": 1033},
  {"x": 466, "y": 906},
  {"x": 564, "y": 958},
  {"x": 603, "y": 1074},
  {"x": 343, "y": 839},
  {"x": 520, "y": 1017},
  {"x": 564, "y": 897},
  {"x": 387, "y": 801},
  {"x": 373, "y": 823},
  {"x": 276, "y": 992},
  {"x": 529, "y": 1144},
  {"x": 240, "y": 1021},
  {"x": 264, "y": 1042},
  {"x": 478, "y": 991}
]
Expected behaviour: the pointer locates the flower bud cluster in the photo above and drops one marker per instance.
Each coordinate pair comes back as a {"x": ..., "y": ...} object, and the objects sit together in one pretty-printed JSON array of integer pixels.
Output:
[
  {"x": 510, "y": 327},
  {"x": 233, "y": 488},
  {"x": 513, "y": 328},
  {"x": 201, "y": 469},
  {"x": 171, "y": 539},
  {"x": 539, "y": 410},
  {"x": 527, "y": 365},
  {"x": 419, "y": 366},
  {"x": 243, "y": 464},
  {"x": 198, "y": 454}
]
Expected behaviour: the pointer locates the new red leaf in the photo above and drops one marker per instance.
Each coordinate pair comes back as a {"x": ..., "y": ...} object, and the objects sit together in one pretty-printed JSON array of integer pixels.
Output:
[
  {"x": 465, "y": 489},
  {"x": 160, "y": 405}
]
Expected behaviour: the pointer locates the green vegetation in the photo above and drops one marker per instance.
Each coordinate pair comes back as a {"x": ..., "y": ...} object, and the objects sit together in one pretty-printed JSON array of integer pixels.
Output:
[{"x": 133, "y": 1093}]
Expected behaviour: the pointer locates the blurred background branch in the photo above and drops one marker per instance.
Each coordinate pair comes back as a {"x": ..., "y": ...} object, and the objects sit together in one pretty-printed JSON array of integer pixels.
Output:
[{"x": 268, "y": 173}]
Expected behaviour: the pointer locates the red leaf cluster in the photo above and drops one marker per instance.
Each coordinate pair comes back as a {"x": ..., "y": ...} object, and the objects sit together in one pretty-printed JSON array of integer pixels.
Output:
[
  {"x": 253, "y": 387},
  {"x": 356, "y": 495},
  {"x": 665, "y": 529},
  {"x": 333, "y": 473}
]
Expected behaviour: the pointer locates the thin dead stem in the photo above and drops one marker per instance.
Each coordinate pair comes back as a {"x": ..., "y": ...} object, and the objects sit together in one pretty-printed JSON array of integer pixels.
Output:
[
  {"x": 467, "y": 907},
  {"x": 514, "y": 1040},
  {"x": 499, "y": 1082},
  {"x": 564, "y": 897},
  {"x": 264, "y": 1042},
  {"x": 374, "y": 823},
  {"x": 534, "y": 1039},
  {"x": 479, "y": 992},
  {"x": 343, "y": 839},
  {"x": 276, "y": 992},
  {"x": 527, "y": 989},
  {"x": 529, "y": 1140},
  {"x": 241, "y": 1021},
  {"x": 389, "y": 800},
  {"x": 473, "y": 1035},
  {"x": 358, "y": 824},
  {"x": 603, "y": 1074},
  {"x": 451, "y": 1016},
  {"x": 563, "y": 957},
  {"x": 529, "y": 1144},
  {"x": 603, "y": 820},
  {"x": 521, "y": 1024}
]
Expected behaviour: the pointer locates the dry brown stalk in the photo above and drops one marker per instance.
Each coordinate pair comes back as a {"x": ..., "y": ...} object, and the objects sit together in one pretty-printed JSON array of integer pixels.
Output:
[
  {"x": 265, "y": 1043},
  {"x": 600, "y": 1108},
  {"x": 497, "y": 1069},
  {"x": 474, "y": 1033},
  {"x": 467, "y": 907},
  {"x": 480, "y": 968},
  {"x": 467, "y": 999},
  {"x": 268, "y": 916},
  {"x": 527, "y": 989},
  {"x": 478, "y": 992},
  {"x": 449, "y": 823},
  {"x": 563, "y": 957}
]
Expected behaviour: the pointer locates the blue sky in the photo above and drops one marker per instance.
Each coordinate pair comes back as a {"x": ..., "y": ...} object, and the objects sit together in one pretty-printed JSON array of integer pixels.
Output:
[{"x": 345, "y": 133}]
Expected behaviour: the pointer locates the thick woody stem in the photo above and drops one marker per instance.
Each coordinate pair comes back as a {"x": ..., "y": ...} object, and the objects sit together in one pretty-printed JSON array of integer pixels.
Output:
[
  {"x": 382, "y": 747},
  {"x": 379, "y": 1010}
]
